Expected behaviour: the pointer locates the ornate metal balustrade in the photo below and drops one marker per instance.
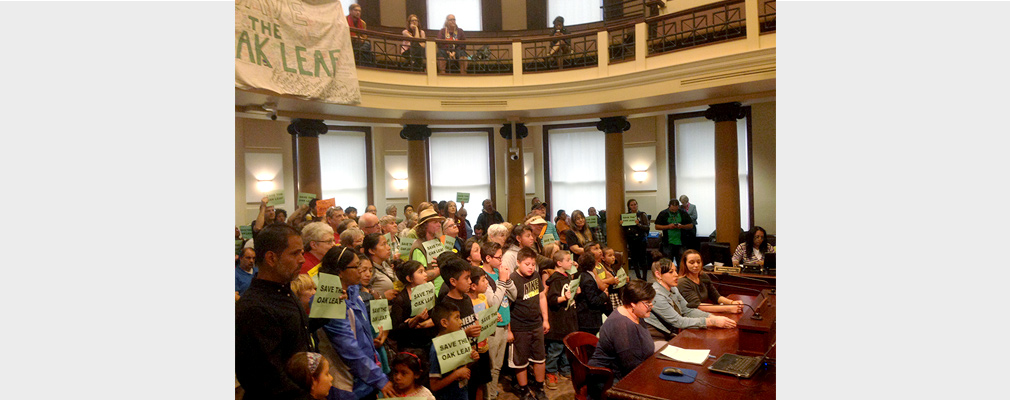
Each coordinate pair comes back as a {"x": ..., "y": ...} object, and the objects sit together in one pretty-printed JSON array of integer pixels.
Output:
[
  {"x": 714, "y": 23},
  {"x": 570, "y": 51},
  {"x": 390, "y": 52},
  {"x": 622, "y": 44},
  {"x": 767, "y": 16},
  {"x": 480, "y": 57}
]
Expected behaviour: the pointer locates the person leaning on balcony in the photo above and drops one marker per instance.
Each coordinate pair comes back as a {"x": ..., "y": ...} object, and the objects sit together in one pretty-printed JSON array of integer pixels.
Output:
[
  {"x": 559, "y": 48},
  {"x": 362, "y": 47},
  {"x": 452, "y": 51},
  {"x": 411, "y": 50}
]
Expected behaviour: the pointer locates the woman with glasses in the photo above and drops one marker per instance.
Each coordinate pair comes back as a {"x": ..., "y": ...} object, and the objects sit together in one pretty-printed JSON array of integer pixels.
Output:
[
  {"x": 318, "y": 239},
  {"x": 413, "y": 51},
  {"x": 625, "y": 343},
  {"x": 452, "y": 51}
]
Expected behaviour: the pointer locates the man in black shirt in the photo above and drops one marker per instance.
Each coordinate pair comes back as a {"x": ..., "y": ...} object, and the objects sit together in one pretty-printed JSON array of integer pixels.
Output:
[
  {"x": 270, "y": 324},
  {"x": 487, "y": 218}
]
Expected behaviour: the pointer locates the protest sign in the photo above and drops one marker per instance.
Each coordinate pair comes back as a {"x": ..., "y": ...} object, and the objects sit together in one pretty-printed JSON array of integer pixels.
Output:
[
  {"x": 592, "y": 221},
  {"x": 433, "y": 248},
  {"x": 622, "y": 278},
  {"x": 297, "y": 49},
  {"x": 327, "y": 303},
  {"x": 452, "y": 350},
  {"x": 275, "y": 198},
  {"x": 246, "y": 231},
  {"x": 305, "y": 198},
  {"x": 628, "y": 219},
  {"x": 422, "y": 298},
  {"x": 379, "y": 311},
  {"x": 406, "y": 244},
  {"x": 450, "y": 243},
  {"x": 323, "y": 205},
  {"x": 462, "y": 197},
  {"x": 488, "y": 321}
]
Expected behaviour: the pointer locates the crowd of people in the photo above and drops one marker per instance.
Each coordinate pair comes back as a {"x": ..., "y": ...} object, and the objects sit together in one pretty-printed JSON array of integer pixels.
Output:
[{"x": 282, "y": 353}]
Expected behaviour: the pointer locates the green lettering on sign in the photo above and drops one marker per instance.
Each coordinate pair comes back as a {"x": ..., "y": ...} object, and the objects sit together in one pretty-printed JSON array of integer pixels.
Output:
[
  {"x": 379, "y": 311},
  {"x": 433, "y": 248},
  {"x": 243, "y": 38},
  {"x": 300, "y": 60},
  {"x": 246, "y": 231},
  {"x": 488, "y": 321},
  {"x": 320, "y": 62},
  {"x": 284, "y": 60},
  {"x": 462, "y": 197},
  {"x": 628, "y": 219},
  {"x": 261, "y": 57},
  {"x": 592, "y": 221},
  {"x": 422, "y": 298},
  {"x": 305, "y": 198}
]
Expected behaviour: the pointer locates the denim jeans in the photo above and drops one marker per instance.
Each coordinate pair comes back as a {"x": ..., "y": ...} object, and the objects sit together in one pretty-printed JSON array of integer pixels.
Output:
[{"x": 556, "y": 359}]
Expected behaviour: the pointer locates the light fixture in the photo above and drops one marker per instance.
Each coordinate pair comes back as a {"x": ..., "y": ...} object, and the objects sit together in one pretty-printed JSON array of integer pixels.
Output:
[
  {"x": 399, "y": 184},
  {"x": 640, "y": 176},
  {"x": 264, "y": 185}
]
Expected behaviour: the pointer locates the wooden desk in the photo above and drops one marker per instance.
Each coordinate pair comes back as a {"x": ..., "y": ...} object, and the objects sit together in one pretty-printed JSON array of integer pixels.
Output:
[
  {"x": 748, "y": 284},
  {"x": 644, "y": 382}
]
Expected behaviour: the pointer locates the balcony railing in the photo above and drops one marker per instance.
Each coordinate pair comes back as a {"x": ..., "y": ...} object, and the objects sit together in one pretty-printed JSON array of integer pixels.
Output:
[
  {"x": 622, "y": 43},
  {"x": 709, "y": 24},
  {"x": 767, "y": 16},
  {"x": 570, "y": 51},
  {"x": 714, "y": 23}
]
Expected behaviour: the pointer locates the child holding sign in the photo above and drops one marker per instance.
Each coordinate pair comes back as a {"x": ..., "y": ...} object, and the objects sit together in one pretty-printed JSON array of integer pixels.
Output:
[
  {"x": 448, "y": 385},
  {"x": 561, "y": 291},
  {"x": 614, "y": 270},
  {"x": 411, "y": 333},
  {"x": 529, "y": 324},
  {"x": 482, "y": 374}
]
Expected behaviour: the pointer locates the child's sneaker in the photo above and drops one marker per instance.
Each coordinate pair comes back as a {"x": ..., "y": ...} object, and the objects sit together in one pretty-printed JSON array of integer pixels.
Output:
[
  {"x": 525, "y": 393},
  {"x": 552, "y": 381},
  {"x": 538, "y": 390}
]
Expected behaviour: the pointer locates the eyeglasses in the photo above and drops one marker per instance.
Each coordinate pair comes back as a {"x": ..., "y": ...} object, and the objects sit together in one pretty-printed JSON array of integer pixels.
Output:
[
  {"x": 331, "y": 241},
  {"x": 648, "y": 304}
]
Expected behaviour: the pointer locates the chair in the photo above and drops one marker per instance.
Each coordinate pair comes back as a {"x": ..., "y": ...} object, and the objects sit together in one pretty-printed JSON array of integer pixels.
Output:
[{"x": 579, "y": 347}]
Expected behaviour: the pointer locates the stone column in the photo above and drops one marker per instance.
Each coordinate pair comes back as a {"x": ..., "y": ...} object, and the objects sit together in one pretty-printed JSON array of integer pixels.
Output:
[
  {"x": 516, "y": 187},
  {"x": 727, "y": 180},
  {"x": 306, "y": 134},
  {"x": 614, "y": 128},
  {"x": 417, "y": 162}
]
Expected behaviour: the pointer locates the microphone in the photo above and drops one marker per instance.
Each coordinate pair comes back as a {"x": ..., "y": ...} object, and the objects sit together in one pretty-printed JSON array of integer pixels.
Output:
[{"x": 756, "y": 315}]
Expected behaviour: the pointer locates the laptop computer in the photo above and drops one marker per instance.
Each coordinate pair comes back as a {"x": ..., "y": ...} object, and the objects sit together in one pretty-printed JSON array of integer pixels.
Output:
[{"x": 737, "y": 365}]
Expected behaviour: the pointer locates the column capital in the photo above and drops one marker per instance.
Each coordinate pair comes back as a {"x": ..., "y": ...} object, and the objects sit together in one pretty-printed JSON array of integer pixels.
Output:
[
  {"x": 724, "y": 112},
  {"x": 613, "y": 124},
  {"x": 506, "y": 131},
  {"x": 415, "y": 132},
  {"x": 307, "y": 127}
]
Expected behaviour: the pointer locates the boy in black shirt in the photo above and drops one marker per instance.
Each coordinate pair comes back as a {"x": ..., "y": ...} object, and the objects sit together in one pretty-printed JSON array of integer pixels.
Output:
[
  {"x": 562, "y": 316},
  {"x": 456, "y": 274},
  {"x": 529, "y": 307}
]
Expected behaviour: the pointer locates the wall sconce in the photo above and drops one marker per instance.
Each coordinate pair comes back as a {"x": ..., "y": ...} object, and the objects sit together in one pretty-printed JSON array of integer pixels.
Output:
[
  {"x": 264, "y": 185},
  {"x": 640, "y": 176},
  {"x": 400, "y": 184}
]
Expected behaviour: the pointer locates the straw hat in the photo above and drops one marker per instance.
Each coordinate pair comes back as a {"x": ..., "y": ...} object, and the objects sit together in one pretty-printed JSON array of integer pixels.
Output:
[
  {"x": 428, "y": 214},
  {"x": 535, "y": 221}
]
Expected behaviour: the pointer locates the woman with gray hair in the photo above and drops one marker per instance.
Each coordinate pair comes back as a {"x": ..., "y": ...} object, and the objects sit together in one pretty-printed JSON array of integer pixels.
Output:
[
  {"x": 352, "y": 238},
  {"x": 318, "y": 239},
  {"x": 497, "y": 233}
]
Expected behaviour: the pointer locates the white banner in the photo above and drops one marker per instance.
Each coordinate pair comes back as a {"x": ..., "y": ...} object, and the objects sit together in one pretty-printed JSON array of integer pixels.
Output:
[{"x": 295, "y": 48}]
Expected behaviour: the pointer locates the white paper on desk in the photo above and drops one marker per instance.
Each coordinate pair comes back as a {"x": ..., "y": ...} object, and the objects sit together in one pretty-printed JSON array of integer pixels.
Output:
[{"x": 686, "y": 355}]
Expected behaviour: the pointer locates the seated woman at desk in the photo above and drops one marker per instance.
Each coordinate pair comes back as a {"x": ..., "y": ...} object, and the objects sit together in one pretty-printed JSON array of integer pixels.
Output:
[
  {"x": 752, "y": 251},
  {"x": 697, "y": 288},
  {"x": 670, "y": 312},
  {"x": 624, "y": 342}
]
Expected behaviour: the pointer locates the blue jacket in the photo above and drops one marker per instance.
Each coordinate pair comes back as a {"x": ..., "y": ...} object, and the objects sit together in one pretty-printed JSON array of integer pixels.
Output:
[
  {"x": 243, "y": 279},
  {"x": 356, "y": 347}
]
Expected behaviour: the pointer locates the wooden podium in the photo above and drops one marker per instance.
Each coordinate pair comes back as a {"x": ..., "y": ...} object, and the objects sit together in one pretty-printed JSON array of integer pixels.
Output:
[{"x": 756, "y": 336}]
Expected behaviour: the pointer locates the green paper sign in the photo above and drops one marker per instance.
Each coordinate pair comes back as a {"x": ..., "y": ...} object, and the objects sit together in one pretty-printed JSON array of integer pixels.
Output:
[
  {"x": 450, "y": 243},
  {"x": 305, "y": 198},
  {"x": 452, "y": 350},
  {"x": 488, "y": 321},
  {"x": 433, "y": 248},
  {"x": 628, "y": 219},
  {"x": 238, "y": 246},
  {"x": 592, "y": 221},
  {"x": 422, "y": 298},
  {"x": 462, "y": 197},
  {"x": 327, "y": 303},
  {"x": 275, "y": 198},
  {"x": 379, "y": 310},
  {"x": 573, "y": 286},
  {"x": 622, "y": 278},
  {"x": 406, "y": 244},
  {"x": 246, "y": 231},
  {"x": 548, "y": 239}
]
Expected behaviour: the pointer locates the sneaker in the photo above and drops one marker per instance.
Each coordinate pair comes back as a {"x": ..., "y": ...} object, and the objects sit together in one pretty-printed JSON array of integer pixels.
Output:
[
  {"x": 525, "y": 393},
  {"x": 551, "y": 381},
  {"x": 538, "y": 390}
]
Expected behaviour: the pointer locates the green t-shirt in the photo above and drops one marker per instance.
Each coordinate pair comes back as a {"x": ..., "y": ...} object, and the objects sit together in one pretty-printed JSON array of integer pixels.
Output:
[{"x": 673, "y": 235}]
